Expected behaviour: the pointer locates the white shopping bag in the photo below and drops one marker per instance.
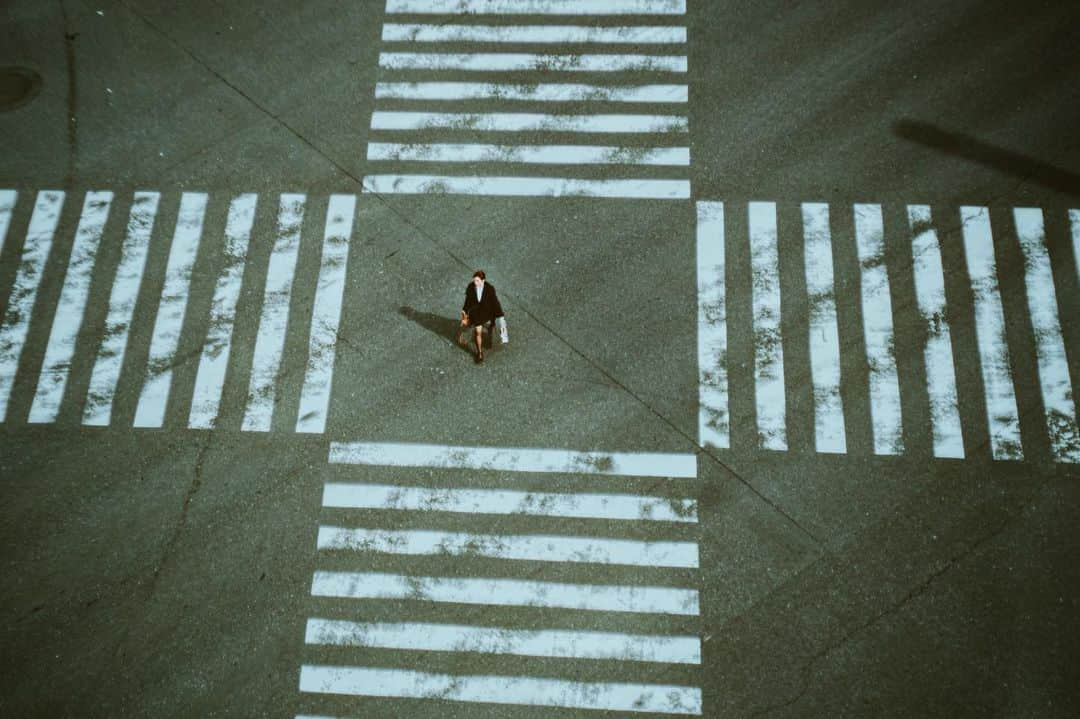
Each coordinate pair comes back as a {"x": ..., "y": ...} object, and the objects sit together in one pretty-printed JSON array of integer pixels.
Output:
[{"x": 504, "y": 335}]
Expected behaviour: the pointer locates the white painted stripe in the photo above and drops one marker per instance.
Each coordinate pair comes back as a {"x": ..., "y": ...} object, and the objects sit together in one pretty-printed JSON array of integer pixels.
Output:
[
  {"x": 538, "y": 92},
  {"x": 70, "y": 309},
  {"x": 511, "y": 459},
  {"x": 527, "y": 122},
  {"x": 1074, "y": 221},
  {"x": 536, "y": 7},
  {"x": 20, "y": 307},
  {"x": 526, "y": 187},
  {"x": 7, "y": 207},
  {"x": 414, "y": 32},
  {"x": 530, "y": 154},
  {"x": 938, "y": 355},
  {"x": 530, "y": 62},
  {"x": 824, "y": 345},
  {"x": 1001, "y": 411},
  {"x": 326, "y": 315},
  {"x": 270, "y": 341},
  {"x": 507, "y": 592},
  {"x": 878, "y": 331},
  {"x": 501, "y": 640},
  {"x": 768, "y": 344},
  {"x": 529, "y": 547},
  {"x": 214, "y": 362},
  {"x": 489, "y": 501},
  {"x": 529, "y": 691},
  {"x": 713, "y": 418},
  {"x": 1054, "y": 379},
  {"x": 170, "y": 316},
  {"x": 104, "y": 377}
]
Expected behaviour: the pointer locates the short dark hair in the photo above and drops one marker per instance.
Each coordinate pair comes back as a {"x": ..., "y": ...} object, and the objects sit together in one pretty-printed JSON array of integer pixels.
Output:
[{"x": 480, "y": 274}]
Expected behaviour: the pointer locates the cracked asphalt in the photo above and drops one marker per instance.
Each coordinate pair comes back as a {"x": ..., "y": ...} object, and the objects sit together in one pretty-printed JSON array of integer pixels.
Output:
[{"x": 168, "y": 572}]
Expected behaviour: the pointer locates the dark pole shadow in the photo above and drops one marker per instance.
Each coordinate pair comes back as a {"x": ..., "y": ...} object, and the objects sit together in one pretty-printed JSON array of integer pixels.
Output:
[
  {"x": 446, "y": 328},
  {"x": 969, "y": 148}
]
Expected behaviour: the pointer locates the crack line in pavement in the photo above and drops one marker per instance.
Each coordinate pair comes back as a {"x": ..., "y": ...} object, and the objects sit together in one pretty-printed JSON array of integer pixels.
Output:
[
  {"x": 431, "y": 240},
  {"x": 72, "y": 98}
]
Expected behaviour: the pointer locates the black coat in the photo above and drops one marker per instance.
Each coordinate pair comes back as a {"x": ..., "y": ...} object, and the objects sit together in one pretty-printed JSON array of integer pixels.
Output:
[{"x": 484, "y": 311}]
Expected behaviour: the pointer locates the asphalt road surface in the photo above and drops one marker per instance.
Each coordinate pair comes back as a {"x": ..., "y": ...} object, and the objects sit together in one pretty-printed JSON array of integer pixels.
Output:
[{"x": 785, "y": 424}]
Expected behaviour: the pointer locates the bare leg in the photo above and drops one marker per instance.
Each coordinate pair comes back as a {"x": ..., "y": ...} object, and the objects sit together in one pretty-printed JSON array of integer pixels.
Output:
[{"x": 479, "y": 330}]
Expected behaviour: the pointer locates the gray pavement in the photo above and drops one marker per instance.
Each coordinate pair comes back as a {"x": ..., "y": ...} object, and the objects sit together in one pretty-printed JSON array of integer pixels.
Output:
[{"x": 169, "y": 571}]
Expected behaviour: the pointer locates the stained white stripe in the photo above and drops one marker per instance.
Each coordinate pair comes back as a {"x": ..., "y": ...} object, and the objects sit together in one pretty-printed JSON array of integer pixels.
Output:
[
  {"x": 487, "y": 501},
  {"x": 1001, "y": 411},
  {"x": 170, "y": 316},
  {"x": 71, "y": 308},
  {"x": 270, "y": 341},
  {"x": 1049, "y": 345},
  {"x": 768, "y": 345},
  {"x": 511, "y": 459},
  {"x": 507, "y": 592},
  {"x": 501, "y": 640},
  {"x": 535, "y": 548},
  {"x": 326, "y": 316},
  {"x": 713, "y": 418},
  {"x": 536, "y": 7},
  {"x": 538, "y": 92},
  {"x": 413, "y": 32},
  {"x": 7, "y": 206},
  {"x": 530, "y": 154},
  {"x": 529, "y": 691},
  {"x": 824, "y": 345},
  {"x": 878, "y": 331},
  {"x": 530, "y": 62},
  {"x": 20, "y": 306},
  {"x": 938, "y": 355},
  {"x": 210, "y": 379},
  {"x": 1074, "y": 221},
  {"x": 527, "y": 122},
  {"x": 526, "y": 187}
]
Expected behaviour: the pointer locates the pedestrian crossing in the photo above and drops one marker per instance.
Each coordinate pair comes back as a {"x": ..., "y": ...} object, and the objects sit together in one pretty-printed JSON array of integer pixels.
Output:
[
  {"x": 108, "y": 344},
  {"x": 879, "y": 253},
  {"x": 426, "y": 614},
  {"x": 543, "y": 82}
]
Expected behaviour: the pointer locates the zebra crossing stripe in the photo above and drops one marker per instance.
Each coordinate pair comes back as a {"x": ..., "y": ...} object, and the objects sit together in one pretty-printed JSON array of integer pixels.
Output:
[
  {"x": 270, "y": 340},
  {"x": 713, "y": 417},
  {"x": 528, "y": 122},
  {"x": 7, "y": 207},
  {"x": 1074, "y": 222},
  {"x": 210, "y": 378},
  {"x": 71, "y": 308},
  {"x": 1053, "y": 366},
  {"x": 824, "y": 339},
  {"x": 507, "y": 593},
  {"x": 16, "y": 322},
  {"x": 526, "y": 187},
  {"x": 536, "y": 7},
  {"x": 539, "y": 92},
  {"x": 415, "y": 636},
  {"x": 326, "y": 316},
  {"x": 938, "y": 355},
  {"x": 154, "y": 397},
  {"x": 657, "y": 35},
  {"x": 530, "y": 154},
  {"x": 487, "y": 501},
  {"x": 1001, "y": 410},
  {"x": 526, "y": 62},
  {"x": 878, "y": 331},
  {"x": 768, "y": 343},
  {"x": 529, "y": 691},
  {"x": 97, "y": 411},
  {"x": 535, "y": 548}
]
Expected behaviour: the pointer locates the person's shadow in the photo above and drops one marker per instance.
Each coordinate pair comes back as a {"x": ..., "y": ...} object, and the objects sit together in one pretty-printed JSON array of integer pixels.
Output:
[{"x": 446, "y": 328}]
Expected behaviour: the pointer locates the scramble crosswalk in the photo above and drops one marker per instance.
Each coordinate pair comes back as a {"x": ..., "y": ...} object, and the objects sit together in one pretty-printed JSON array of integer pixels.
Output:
[
  {"x": 110, "y": 341},
  {"x": 541, "y": 83},
  {"x": 879, "y": 254},
  {"x": 450, "y": 608}
]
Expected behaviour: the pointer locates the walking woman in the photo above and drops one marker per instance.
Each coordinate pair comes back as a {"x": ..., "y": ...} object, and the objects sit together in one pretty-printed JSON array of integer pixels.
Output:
[{"x": 481, "y": 308}]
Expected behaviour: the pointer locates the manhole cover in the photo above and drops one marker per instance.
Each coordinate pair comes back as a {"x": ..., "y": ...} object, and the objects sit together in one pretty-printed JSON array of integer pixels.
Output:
[{"x": 18, "y": 86}]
